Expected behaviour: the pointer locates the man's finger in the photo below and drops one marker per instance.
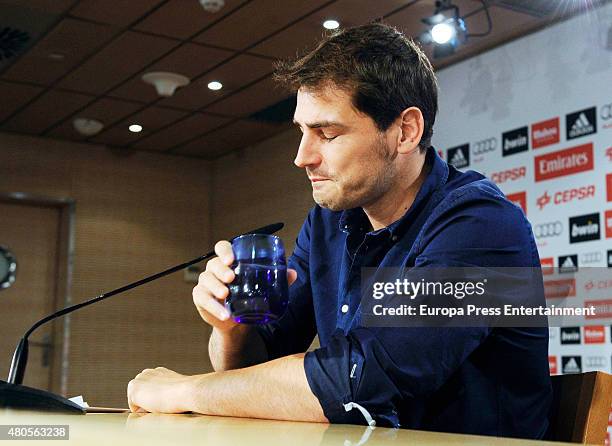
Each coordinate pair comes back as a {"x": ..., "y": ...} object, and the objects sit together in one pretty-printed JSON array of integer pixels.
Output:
[
  {"x": 223, "y": 249},
  {"x": 210, "y": 304},
  {"x": 219, "y": 270},
  {"x": 130, "y": 390}
]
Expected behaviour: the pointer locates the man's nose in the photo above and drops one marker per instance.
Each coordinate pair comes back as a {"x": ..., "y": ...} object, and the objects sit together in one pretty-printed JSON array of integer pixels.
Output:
[{"x": 308, "y": 153}]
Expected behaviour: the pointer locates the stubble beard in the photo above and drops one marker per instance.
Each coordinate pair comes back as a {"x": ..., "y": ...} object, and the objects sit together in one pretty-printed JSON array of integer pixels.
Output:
[{"x": 368, "y": 189}]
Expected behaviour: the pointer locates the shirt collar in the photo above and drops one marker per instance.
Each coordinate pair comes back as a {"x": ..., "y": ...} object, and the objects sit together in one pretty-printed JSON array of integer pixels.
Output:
[{"x": 355, "y": 219}]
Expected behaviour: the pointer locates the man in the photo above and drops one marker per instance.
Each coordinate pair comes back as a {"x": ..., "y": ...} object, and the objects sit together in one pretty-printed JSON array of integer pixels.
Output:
[{"x": 366, "y": 104}]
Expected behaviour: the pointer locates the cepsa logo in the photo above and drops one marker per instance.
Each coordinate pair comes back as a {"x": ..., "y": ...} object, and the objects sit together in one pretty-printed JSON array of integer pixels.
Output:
[
  {"x": 608, "y": 218},
  {"x": 545, "y": 133},
  {"x": 520, "y": 199},
  {"x": 513, "y": 174},
  {"x": 594, "y": 334},
  {"x": 564, "y": 162},
  {"x": 566, "y": 196},
  {"x": 552, "y": 365}
]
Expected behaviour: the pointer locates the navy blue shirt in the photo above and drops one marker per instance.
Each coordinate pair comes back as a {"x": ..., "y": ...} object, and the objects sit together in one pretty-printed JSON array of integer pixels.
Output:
[{"x": 481, "y": 380}]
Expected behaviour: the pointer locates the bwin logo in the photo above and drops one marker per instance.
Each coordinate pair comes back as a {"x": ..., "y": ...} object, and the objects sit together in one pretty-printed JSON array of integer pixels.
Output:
[
  {"x": 584, "y": 228},
  {"x": 515, "y": 141}
]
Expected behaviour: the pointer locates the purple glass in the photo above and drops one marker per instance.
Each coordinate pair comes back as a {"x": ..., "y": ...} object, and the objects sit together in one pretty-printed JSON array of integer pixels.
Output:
[{"x": 259, "y": 293}]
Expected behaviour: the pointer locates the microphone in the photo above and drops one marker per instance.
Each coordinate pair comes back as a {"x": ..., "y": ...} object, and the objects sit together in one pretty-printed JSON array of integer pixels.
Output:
[{"x": 15, "y": 395}]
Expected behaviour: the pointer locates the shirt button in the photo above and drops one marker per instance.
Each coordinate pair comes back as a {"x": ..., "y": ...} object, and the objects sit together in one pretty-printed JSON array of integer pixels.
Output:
[
  {"x": 344, "y": 308},
  {"x": 394, "y": 238}
]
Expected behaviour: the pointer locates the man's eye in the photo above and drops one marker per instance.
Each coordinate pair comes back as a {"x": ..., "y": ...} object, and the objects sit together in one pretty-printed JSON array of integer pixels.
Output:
[{"x": 329, "y": 138}]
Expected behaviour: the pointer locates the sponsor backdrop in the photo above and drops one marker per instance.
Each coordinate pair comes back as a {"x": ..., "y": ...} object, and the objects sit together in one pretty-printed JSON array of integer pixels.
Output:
[{"x": 535, "y": 116}]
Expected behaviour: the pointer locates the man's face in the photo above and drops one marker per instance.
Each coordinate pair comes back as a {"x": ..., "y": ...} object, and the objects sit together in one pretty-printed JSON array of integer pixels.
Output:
[{"x": 347, "y": 159}]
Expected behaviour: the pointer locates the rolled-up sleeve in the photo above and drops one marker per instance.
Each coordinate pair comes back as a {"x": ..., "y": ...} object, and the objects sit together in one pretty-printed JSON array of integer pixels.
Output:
[
  {"x": 376, "y": 368},
  {"x": 380, "y": 370}
]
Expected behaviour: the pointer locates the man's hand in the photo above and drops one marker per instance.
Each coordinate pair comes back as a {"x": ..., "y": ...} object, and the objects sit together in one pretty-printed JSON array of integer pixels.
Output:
[
  {"x": 211, "y": 291},
  {"x": 160, "y": 390},
  {"x": 276, "y": 390}
]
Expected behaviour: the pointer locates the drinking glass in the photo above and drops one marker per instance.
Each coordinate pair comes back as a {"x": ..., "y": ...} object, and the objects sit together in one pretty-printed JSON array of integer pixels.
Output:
[{"x": 259, "y": 293}]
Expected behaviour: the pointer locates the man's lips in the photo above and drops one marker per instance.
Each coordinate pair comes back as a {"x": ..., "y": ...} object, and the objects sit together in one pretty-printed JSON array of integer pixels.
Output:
[{"x": 317, "y": 179}]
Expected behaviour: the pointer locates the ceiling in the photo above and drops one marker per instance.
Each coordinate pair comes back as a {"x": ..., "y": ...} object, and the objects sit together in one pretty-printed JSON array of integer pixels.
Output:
[{"x": 85, "y": 59}]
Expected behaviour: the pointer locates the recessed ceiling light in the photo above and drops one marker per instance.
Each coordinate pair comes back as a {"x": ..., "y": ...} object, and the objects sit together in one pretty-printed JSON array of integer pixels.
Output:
[
  {"x": 135, "y": 128},
  {"x": 215, "y": 85},
  {"x": 331, "y": 24}
]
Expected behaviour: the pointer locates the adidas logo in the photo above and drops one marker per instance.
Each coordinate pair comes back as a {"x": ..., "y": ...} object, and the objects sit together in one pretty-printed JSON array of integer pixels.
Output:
[
  {"x": 572, "y": 366},
  {"x": 458, "y": 158},
  {"x": 581, "y": 122},
  {"x": 582, "y": 126},
  {"x": 568, "y": 263}
]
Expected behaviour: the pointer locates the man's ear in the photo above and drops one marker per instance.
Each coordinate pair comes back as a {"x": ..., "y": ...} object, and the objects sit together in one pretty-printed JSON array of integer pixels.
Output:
[{"x": 411, "y": 125}]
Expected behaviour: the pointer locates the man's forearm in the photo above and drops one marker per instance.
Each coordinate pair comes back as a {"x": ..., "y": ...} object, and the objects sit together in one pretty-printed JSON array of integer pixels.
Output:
[
  {"x": 275, "y": 390},
  {"x": 237, "y": 348}
]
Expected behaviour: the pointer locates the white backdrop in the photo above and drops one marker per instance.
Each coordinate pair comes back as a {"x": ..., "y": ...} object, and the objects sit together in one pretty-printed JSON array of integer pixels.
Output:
[{"x": 535, "y": 115}]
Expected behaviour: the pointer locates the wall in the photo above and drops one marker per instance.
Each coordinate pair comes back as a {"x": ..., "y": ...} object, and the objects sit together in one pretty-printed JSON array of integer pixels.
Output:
[
  {"x": 135, "y": 215},
  {"x": 534, "y": 115},
  {"x": 261, "y": 185}
]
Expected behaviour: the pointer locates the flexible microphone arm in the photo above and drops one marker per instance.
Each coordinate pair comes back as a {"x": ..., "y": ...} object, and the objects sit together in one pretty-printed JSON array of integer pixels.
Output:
[{"x": 20, "y": 358}]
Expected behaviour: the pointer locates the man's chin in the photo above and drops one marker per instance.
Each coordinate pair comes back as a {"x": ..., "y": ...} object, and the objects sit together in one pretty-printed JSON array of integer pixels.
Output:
[{"x": 329, "y": 204}]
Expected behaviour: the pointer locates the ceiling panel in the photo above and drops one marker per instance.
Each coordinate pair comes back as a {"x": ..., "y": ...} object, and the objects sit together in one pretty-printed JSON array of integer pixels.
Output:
[
  {"x": 124, "y": 57},
  {"x": 14, "y": 96},
  {"x": 46, "y": 6},
  {"x": 50, "y": 108},
  {"x": 250, "y": 100},
  {"x": 182, "y": 131},
  {"x": 189, "y": 60},
  {"x": 105, "y": 110},
  {"x": 36, "y": 65},
  {"x": 107, "y": 46},
  {"x": 234, "y": 74},
  {"x": 238, "y": 134},
  {"x": 307, "y": 32},
  {"x": 255, "y": 21},
  {"x": 115, "y": 12},
  {"x": 182, "y": 19},
  {"x": 151, "y": 119}
]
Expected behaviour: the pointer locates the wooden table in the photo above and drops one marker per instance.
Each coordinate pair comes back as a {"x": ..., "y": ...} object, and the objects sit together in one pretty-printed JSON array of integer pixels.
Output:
[{"x": 119, "y": 429}]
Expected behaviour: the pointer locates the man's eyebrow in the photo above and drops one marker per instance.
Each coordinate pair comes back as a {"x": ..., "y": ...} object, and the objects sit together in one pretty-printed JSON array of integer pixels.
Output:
[{"x": 321, "y": 124}]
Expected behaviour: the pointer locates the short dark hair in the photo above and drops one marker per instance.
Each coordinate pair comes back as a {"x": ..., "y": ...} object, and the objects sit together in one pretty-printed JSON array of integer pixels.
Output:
[{"x": 385, "y": 71}]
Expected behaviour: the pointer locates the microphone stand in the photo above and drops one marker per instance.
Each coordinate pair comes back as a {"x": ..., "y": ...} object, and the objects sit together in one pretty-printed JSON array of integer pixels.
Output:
[{"x": 14, "y": 395}]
